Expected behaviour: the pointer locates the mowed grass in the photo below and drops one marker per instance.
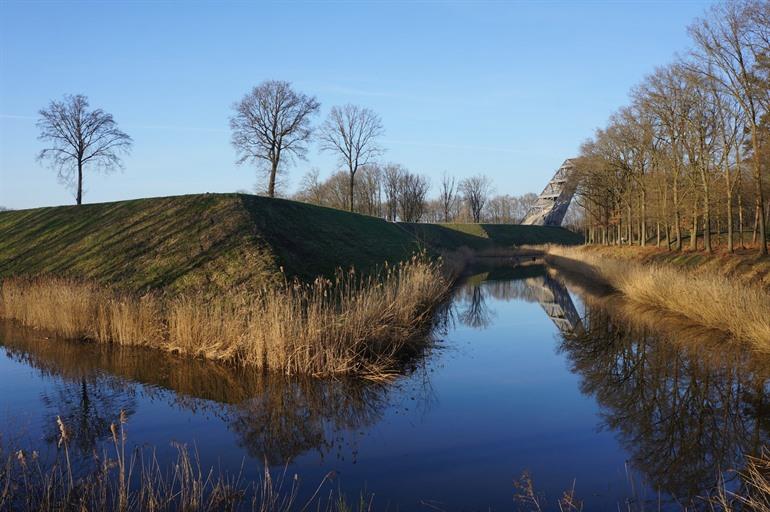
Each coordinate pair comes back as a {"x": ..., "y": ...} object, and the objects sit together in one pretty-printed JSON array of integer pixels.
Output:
[
  {"x": 489, "y": 236},
  {"x": 173, "y": 243},
  {"x": 218, "y": 242}
]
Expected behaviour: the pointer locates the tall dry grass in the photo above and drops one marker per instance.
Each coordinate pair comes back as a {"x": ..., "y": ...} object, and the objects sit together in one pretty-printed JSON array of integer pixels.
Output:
[
  {"x": 136, "y": 481},
  {"x": 352, "y": 324},
  {"x": 713, "y": 301}
]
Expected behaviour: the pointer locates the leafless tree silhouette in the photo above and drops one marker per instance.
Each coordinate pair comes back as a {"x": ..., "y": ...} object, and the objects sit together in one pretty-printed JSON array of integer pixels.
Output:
[
  {"x": 77, "y": 137},
  {"x": 351, "y": 132},
  {"x": 271, "y": 124}
]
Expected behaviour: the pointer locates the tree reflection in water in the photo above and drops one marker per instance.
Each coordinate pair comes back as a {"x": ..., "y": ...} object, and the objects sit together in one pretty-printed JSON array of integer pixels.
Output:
[
  {"x": 530, "y": 283},
  {"x": 275, "y": 418},
  {"x": 686, "y": 402}
]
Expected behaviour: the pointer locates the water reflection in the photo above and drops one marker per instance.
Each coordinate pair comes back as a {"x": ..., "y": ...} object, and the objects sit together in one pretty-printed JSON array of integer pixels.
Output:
[
  {"x": 530, "y": 283},
  {"x": 683, "y": 401},
  {"x": 686, "y": 402},
  {"x": 274, "y": 418}
]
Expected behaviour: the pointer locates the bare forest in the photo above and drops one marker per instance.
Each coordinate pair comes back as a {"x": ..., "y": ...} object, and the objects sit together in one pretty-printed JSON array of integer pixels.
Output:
[{"x": 685, "y": 164}]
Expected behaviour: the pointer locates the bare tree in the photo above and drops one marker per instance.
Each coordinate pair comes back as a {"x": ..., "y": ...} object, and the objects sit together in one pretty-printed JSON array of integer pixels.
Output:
[
  {"x": 311, "y": 188},
  {"x": 391, "y": 182},
  {"x": 413, "y": 190},
  {"x": 727, "y": 43},
  {"x": 475, "y": 191},
  {"x": 78, "y": 137},
  {"x": 448, "y": 195},
  {"x": 352, "y": 132},
  {"x": 271, "y": 125}
]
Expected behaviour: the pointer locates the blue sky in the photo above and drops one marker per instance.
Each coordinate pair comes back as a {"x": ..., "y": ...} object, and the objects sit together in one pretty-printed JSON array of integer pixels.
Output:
[{"x": 508, "y": 89}]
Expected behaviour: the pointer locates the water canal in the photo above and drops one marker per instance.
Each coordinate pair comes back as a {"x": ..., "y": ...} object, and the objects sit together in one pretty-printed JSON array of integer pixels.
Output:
[{"x": 531, "y": 372}]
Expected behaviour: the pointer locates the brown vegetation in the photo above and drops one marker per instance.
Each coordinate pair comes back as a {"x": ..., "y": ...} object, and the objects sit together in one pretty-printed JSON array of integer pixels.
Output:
[
  {"x": 350, "y": 325},
  {"x": 136, "y": 481},
  {"x": 685, "y": 163},
  {"x": 708, "y": 299}
]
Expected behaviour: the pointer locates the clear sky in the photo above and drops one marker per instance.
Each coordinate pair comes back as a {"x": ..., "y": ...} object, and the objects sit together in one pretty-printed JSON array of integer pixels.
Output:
[{"x": 508, "y": 89}]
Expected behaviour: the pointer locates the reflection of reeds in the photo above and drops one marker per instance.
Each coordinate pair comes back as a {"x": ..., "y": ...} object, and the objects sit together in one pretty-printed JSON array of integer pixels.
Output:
[
  {"x": 349, "y": 325},
  {"x": 753, "y": 495},
  {"x": 139, "y": 482},
  {"x": 713, "y": 301}
]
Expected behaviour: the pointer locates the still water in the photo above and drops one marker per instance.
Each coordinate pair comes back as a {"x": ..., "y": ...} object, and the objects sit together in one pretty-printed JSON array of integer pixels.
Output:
[{"x": 531, "y": 372}]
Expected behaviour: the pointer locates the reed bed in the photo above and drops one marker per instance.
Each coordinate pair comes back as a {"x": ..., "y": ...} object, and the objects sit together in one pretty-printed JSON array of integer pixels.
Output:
[
  {"x": 348, "y": 325},
  {"x": 134, "y": 480},
  {"x": 714, "y": 301}
]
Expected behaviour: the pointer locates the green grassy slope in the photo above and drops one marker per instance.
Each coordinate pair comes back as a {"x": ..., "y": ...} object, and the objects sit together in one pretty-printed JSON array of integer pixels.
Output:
[
  {"x": 311, "y": 240},
  {"x": 218, "y": 241},
  {"x": 485, "y": 236},
  {"x": 170, "y": 242}
]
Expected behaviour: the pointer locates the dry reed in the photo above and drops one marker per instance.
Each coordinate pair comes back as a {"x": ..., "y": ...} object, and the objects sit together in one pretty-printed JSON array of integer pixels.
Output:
[
  {"x": 136, "y": 482},
  {"x": 713, "y": 301},
  {"x": 352, "y": 324}
]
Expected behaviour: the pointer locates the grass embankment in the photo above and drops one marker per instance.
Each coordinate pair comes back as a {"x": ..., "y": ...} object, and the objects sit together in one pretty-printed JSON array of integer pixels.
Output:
[
  {"x": 208, "y": 242},
  {"x": 216, "y": 242},
  {"x": 236, "y": 278},
  {"x": 726, "y": 293},
  {"x": 488, "y": 237}
]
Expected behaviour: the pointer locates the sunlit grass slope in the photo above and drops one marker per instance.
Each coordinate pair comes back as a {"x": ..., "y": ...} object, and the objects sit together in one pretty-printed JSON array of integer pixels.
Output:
[{"x": 221, "y": 241}]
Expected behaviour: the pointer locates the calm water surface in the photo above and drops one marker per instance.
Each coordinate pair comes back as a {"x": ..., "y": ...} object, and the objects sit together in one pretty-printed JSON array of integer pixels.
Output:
[{"x": 530, "y": 373}]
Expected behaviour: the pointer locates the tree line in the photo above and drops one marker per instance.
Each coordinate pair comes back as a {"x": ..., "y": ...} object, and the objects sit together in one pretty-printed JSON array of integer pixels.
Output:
[
  {"x": 395, "y": 193},
  {"x": 686, "y": 162},
  {"x": 271, "y": 128}
]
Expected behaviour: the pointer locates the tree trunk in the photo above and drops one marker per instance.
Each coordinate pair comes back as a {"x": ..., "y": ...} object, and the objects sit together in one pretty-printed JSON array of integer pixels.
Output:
[
  {"x": 630, "y": 228},
  {"x": 694, "y": 232},
  {"x": 706, "y": 218},
  {"x": 760, "y": 193},
  {"x": 677, "y": 217},
  {"x": 719, "y": 231},
  {"x": 79, "y": 197},
  {"x": 730, "y": 247},
  {"x": 739, "y": 186},
  {"x": 350, "y": 190},
  {"x": 271, "y": 184},
  {"x": 643, "y": 227}
]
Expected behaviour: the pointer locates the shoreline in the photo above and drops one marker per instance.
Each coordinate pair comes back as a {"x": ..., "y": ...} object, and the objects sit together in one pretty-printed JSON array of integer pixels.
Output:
[{"x": 719, "y": 292}]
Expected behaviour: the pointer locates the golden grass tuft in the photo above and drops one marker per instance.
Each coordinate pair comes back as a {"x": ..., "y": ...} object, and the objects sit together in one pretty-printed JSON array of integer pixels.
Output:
[
  {"x": 350, "y": 325},
  {"x": 711, "y": 300}
]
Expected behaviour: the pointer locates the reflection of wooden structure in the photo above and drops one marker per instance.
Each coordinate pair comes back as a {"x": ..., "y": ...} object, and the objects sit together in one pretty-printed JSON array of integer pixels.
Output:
[
  {"x": 530, "y": 283},
  {"x": 555, "y": 300},
  {"x": 552, "y": 203}
]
